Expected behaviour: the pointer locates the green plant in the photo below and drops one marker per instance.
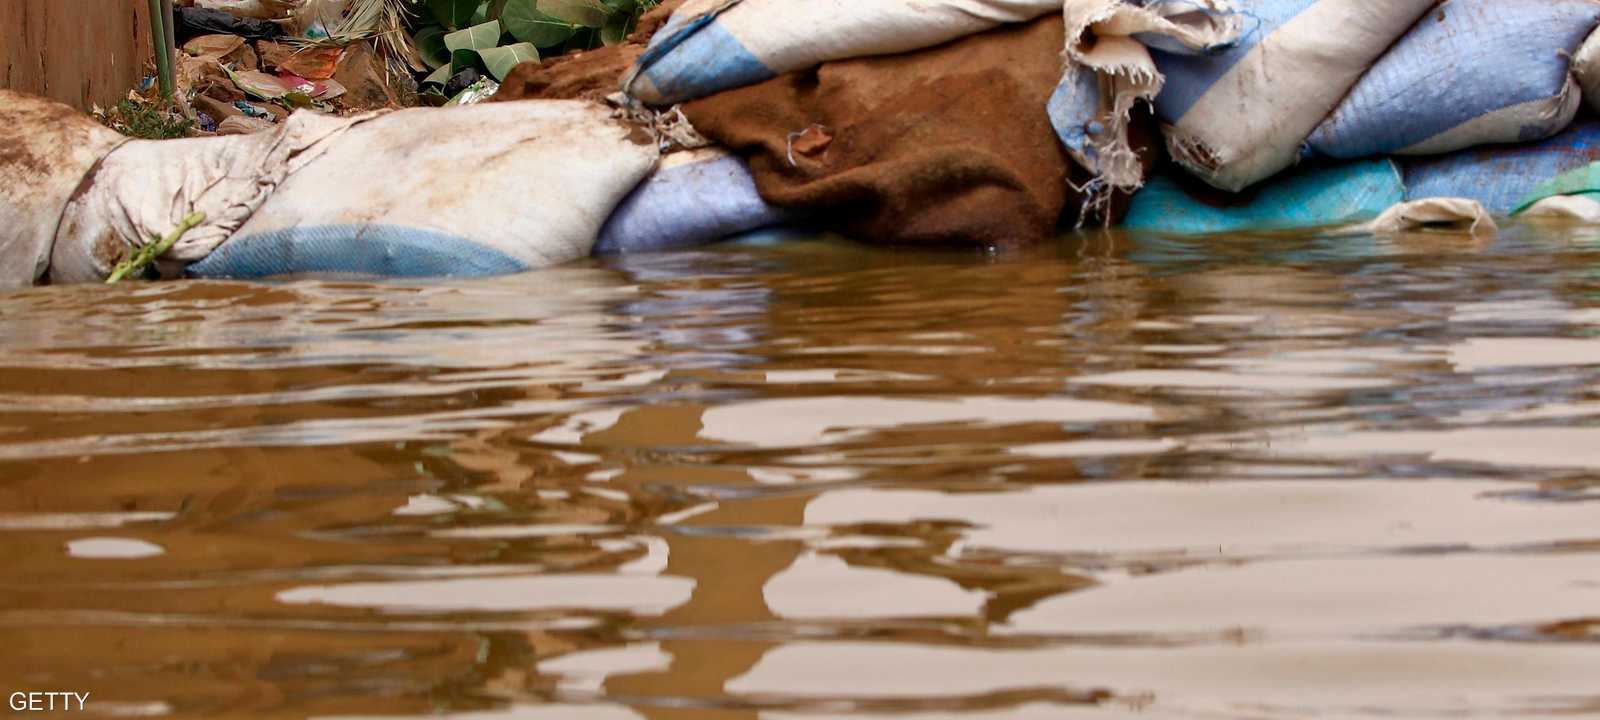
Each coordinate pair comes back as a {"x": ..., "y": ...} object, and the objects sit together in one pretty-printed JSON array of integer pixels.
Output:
[
  {"x": 496, "y": 35},
  {"x": 146, "y": 120}
]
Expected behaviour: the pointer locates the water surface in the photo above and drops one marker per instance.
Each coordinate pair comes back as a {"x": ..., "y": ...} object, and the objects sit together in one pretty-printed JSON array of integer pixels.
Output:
[{"x": 1245, "y": 477}]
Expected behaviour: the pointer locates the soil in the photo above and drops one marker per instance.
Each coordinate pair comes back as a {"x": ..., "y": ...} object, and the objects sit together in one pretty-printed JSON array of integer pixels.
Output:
[{"x": 588, "y": 75}]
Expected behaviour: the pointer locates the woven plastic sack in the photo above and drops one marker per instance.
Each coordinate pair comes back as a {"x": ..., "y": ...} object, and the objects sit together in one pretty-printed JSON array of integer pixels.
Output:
[
  {"x": 1473, "y": 72},
  {"x": 1238, "y": 117},
  {"x": 713, "y": 45},
  {"x": 475, "y": 190},
  {"x": 46, "y": 151},
  {"x": 1506, "y": 178},
  {"x": 1306, "y": 197},
  {"x": 694, "y": 198}
]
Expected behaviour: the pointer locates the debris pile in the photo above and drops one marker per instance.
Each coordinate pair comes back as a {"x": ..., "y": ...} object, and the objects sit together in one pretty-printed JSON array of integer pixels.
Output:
[{"x": 243, "y": 66}]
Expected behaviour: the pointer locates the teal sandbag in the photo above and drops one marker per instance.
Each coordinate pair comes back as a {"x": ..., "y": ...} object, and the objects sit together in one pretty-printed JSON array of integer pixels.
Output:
[{"x": 1308, "y": 197}]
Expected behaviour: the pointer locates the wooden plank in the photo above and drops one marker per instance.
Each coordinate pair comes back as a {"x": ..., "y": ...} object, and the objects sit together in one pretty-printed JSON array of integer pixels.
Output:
[{"x": 81, "y": 52}]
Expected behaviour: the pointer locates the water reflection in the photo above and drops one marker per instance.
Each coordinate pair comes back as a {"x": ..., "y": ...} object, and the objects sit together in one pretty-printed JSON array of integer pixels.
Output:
[{"x": 1265, "y": 477}]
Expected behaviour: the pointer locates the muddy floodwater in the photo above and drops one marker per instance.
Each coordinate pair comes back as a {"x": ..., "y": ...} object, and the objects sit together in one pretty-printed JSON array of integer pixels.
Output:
[{"x": 1246, "y": 477}]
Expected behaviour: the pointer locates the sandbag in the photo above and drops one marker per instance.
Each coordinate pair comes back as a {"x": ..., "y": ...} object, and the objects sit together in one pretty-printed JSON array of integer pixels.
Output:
[
  {"x": 1109, "y": 71},
  {"x": 1586, "y": 68},
  {"x": 1237, "y": 117},
  {"x": 1313, "y": 196},
  {"x": 46, "y": 151},
  {"x": 475, "y": 190},
  {"x": 1437, "y": 213},
  {"x": 1474, "y": 72},
  {"x": 1503, "y": 178},
  {"x": 694, "y": 198},
  {"x": 1583, "y": 209},
  {"x": 145, "y": 188},
  {"x": 954, "y": 157},
  {"x": 713, "y": 45}
]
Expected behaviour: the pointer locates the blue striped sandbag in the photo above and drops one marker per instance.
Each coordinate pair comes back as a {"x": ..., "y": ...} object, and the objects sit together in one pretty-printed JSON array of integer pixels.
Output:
[
  {"x": 1502, "y": 177},
  {"x": 694, "y": 198},
  {"x": 351, "y": 250},
  {"x": 713, "y": 45},
  {"x": 1312, "y": 196},
  {"x": 1237, "y": 117},
  {"x": 1473, "y": 72}
]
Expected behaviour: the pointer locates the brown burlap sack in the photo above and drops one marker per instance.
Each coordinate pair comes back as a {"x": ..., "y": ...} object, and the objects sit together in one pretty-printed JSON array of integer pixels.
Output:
[{"x": 946, "y": 146}]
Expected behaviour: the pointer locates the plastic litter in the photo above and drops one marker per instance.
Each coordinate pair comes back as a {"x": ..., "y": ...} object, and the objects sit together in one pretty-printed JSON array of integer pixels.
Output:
[
  {"x": 196, "y": 21},
  {"x": 694, "y": 198},
  {"x": 1239, "y": 116},
  {"x": 1474, "y": 72},
  {"x": 1314, "y": 196}
]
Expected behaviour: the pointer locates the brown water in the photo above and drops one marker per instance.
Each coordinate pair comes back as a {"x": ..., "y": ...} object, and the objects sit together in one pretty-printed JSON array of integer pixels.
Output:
[{"x": 1241, "y": 478}]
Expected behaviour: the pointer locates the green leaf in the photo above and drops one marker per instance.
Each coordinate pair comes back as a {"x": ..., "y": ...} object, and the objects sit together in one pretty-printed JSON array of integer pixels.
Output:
[
  {"x": 440, "y": 76},
  {"x": 430, "y": 45},
  {"x": 463, "y": 59},
  {"x": 527, "y": 23},
  {"x": 476, "y": 38},
  {"x": 588, "y": 13},
  {"x": 298, "y": 100},
  {"x": 500, "y": 60},
  {"x": 453, "y": 14},
  {"x": 481, "y": 14},
  {"x": 618, "y": 28}
]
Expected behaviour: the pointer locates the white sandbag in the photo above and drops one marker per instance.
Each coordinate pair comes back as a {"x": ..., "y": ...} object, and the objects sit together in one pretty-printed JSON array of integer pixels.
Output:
[
  {"x": 713, "y": 45},
  {"x": 1586, "y": 67},
  {"x": 1570, "y": 208},
  {"x": 46, "y": 151},
  {"x": 1474, "y": 73},
  {"x": 695, "y": 197},
  {"x": 1238, "y": 117},
  {"x": 1460, "y": 213},
  {"x": 146, "y": 187},
  {"x": 477, "y": 190},
  {"x": 1110, "y": 71}
]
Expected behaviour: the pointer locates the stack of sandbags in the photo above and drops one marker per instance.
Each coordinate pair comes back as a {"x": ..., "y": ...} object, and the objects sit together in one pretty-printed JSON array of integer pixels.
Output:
[
  {"x": 839, "y": 119},
  {"x": 474, "y": 190}
]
